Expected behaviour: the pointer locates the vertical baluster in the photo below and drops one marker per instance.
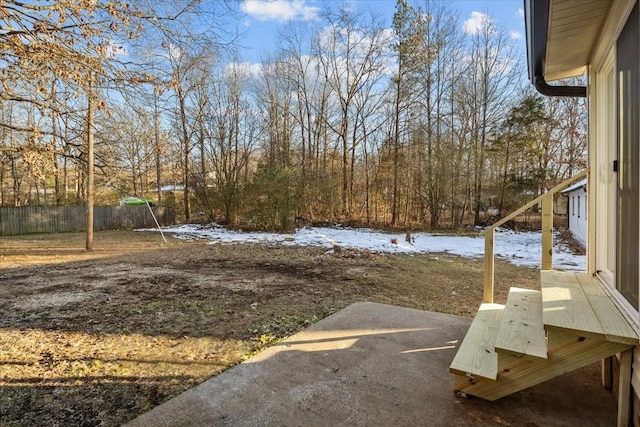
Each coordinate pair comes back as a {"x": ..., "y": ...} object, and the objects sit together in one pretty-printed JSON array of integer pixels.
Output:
[
  {"x": 547, "y": 232},
  {"x": 488, "y": 265}
]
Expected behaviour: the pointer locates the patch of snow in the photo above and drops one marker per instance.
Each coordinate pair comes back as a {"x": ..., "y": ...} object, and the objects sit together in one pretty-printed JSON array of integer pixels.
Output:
[{"x": 520, "y": 248}]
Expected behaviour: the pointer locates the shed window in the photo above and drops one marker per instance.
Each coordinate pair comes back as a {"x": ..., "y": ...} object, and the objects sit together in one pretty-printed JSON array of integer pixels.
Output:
[{"x": 578, "y": 206}]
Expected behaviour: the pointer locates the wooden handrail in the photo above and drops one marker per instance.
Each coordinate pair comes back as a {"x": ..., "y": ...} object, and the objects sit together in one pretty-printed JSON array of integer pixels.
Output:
[
  {"x": 537, "y": 200},
  {"x": 547, "y": 233}
]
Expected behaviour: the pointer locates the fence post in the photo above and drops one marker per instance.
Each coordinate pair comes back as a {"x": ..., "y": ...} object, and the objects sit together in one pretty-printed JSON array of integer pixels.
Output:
[
  {"x": 488, "y": 265},
  {"x": 547, "y": 232}
]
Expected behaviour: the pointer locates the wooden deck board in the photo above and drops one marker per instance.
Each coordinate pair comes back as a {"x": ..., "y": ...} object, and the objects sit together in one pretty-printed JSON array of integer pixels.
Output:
[
  {"x": 566, "y": 306},
  {"x": 615, "y": 326},
  {"x": 577, "y": 302},
  {"x": 521, "y": 330},
  {"x": 476, "y": 355}
]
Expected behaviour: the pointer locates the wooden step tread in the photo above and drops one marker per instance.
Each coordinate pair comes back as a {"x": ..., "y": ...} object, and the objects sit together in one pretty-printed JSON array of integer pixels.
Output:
[
  {"x": 521, "y": 331},
  {"x": 578, "y": 302},
  {"x": 476, "y": 355}
]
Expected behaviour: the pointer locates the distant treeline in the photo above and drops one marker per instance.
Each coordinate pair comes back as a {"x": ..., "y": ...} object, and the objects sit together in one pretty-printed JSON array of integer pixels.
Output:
[{"x": 422, "y": 120}]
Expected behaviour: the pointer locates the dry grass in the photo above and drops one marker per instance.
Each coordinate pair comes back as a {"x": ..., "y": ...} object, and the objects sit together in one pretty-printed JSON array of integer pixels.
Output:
[{"x": 96, "y": 339}]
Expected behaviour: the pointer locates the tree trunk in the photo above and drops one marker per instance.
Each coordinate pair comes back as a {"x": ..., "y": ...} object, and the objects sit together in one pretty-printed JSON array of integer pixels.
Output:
[
  {"x": 90, "y": 159},
  {"x": 185, "y": 153},
  {"x": 396, "y": 154},
  {"x": 156, "y": 145}
]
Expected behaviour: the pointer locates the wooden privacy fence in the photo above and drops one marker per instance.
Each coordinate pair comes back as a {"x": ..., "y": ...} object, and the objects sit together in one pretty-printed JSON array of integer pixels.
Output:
[{"x": 58, "y": 219}]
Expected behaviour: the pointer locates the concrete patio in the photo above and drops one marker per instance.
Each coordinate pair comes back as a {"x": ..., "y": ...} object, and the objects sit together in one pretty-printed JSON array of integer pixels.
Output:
[{"x": 375, "y": 365}]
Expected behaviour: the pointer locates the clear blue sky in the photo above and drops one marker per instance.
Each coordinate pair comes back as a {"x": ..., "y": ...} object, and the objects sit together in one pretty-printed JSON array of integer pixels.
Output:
[{"x": 263, "y": 17}]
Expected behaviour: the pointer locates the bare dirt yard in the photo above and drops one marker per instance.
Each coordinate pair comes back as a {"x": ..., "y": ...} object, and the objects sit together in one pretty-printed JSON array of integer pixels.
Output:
[{"x": 90, "y": 339}]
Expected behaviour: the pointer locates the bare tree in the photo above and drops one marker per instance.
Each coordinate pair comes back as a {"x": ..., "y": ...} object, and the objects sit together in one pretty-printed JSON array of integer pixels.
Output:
[
  {"x": 353, "y": 54},
  {"x": 232, "y": 135},
  {"x": 491, "y": 75}
]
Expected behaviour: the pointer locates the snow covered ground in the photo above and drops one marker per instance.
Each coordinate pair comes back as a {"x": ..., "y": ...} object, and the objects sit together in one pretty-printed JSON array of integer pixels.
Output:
[{"x": 521, "y": 248}]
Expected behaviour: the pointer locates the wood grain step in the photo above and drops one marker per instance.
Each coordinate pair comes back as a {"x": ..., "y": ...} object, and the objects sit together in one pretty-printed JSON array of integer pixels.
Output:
[
  {"x": 476, "y": 356},
  {"x": 577, "y": 302},
  {"x": 521, "y": 332},
  {"x": 567, "y": 352}
]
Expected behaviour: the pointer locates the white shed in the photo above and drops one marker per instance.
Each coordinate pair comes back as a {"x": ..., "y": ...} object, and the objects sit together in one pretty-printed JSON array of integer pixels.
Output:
[{"x": 577, "y": 210}]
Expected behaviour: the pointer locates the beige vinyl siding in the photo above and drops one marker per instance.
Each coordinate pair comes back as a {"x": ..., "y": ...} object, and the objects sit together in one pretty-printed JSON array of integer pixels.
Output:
[{"x": 602, "y": 198}]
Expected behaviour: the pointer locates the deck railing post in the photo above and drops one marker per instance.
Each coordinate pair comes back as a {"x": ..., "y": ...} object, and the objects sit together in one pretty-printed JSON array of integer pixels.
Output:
[
  {"x": 488, "y": 265},
  {"x": 547, "y": 232}
]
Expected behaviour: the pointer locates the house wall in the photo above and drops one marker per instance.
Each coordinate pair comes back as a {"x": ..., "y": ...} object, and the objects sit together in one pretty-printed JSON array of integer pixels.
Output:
[
  {"x": 577, "y": 202},
  {"x": 602, "y": 180}
]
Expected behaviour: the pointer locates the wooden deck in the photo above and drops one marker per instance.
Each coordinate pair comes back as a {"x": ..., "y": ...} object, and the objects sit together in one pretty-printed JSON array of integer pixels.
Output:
[
  {"x": 578, "y": 303},
  {"x": 539, "y": 335}
]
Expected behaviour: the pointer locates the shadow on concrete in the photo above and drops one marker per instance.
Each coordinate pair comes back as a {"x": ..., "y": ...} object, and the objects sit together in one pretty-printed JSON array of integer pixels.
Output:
[{"x": 374, "y": 365}]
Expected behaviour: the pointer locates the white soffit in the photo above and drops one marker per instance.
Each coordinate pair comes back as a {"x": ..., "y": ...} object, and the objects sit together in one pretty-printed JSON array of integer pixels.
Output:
[{"x": 574, "y": 27}]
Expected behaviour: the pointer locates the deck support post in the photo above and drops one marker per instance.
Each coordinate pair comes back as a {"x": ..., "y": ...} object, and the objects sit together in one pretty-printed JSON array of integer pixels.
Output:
[
  {"x": 488, "y": 265},
  {"x": 606, "y": 366},
  {"x": 624, "y": 388},
  {"x": 547, "y": 232}
]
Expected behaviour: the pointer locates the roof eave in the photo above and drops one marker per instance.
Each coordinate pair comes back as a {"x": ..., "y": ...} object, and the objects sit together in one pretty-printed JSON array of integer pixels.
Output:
[{"x": 537, "y": 29}]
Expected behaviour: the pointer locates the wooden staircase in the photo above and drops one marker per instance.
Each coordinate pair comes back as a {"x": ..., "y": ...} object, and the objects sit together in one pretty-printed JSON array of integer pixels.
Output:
[{"x": 539, "y": 335}]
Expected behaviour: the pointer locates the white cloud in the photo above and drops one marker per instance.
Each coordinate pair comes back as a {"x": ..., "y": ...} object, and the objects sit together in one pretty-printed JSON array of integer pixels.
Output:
[
  {"x": 350, "y": 5},
  {"x": 516, "y": 35},
  {"x": 520, "y": 13},
  {"x": 280, "y": 10},
  {"x": 476, "y": 22},
  {"x": 247, "y": 69}
]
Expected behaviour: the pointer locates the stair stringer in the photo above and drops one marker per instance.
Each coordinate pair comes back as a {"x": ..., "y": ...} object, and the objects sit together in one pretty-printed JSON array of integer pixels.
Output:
[{"x": 567, "y": 352}]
